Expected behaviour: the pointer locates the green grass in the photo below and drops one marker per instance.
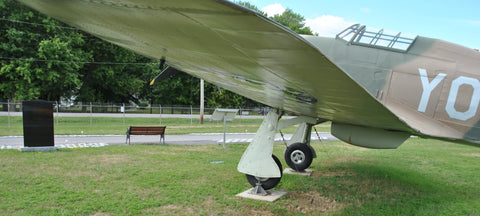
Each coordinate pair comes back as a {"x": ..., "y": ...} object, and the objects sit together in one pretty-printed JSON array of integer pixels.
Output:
[
  {"x": 116, "y": 126},
  {"x": 422, "y": 177}
]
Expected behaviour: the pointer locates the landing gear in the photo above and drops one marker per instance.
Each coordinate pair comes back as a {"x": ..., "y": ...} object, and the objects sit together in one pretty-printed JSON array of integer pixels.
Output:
[
  {"x": 263, "y": 170},
  {"x": 266, "y": 183},
  {"x": 298, "y": 156}
]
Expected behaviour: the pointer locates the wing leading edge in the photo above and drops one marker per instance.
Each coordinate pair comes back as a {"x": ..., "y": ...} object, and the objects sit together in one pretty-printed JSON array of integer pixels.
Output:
[{"x": 231, "y": 47}]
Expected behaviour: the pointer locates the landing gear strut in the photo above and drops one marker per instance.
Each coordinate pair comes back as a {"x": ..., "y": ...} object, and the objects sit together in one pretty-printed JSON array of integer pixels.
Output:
[{"x": 261, "y": 167}]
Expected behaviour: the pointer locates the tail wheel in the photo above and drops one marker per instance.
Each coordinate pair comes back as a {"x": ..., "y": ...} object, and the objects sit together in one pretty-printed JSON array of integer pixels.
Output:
[
  {"x": 298, "y": 156},
  {"x": 267, "y": 183}
]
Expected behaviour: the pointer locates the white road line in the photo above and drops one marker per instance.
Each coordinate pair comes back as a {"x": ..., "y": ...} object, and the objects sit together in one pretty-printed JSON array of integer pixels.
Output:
[
  {"x": 79, "y": 145},
  {"x": 234, "y": 140}
]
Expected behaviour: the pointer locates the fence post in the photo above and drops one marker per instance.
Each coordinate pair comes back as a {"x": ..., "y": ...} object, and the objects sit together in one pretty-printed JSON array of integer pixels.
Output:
[
  {"x": 191, "y": 115},
  {"x": 160, "y": 114},
  {"x": 8, "y": 105},
  {"x": 57, "y": 111},
  {"x": 91, "y": 110},
  {"x": 202, "y": 100},
  {"x": 241, "y": 114},
  {"x": 123, "y": 110}
]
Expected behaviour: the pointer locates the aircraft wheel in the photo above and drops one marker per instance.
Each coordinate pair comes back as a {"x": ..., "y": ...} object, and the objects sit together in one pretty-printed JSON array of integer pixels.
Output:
[
  {"x": 267, "y": 183},
  {"x": 298, "y": 156}
]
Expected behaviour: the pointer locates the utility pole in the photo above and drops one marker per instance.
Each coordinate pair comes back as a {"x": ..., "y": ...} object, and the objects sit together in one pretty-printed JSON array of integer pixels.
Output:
[{"x": 201, "y": 101}]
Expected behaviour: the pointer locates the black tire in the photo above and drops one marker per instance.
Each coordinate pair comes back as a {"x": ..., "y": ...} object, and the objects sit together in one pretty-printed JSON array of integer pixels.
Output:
[
  {"x": 267, "y": 183},
  {"x": 298, "y": 156}
]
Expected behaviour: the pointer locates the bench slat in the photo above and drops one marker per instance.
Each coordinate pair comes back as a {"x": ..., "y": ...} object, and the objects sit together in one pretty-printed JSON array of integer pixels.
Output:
[{"x": 147, "y": 130}]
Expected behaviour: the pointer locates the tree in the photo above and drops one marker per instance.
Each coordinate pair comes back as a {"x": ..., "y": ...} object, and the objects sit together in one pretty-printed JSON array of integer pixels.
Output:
[
  {"x": 288, "y": 18},
  {"x": 180, "y": 89},
  {"x": 251, "y": 7},
  {"x": 61, "y": 77},
  {"x": 38, "y": 59},
  {"x": 293, "y": 21},
  {"x": 42, "y": 58},
  {"x": 117, "y": 75}
]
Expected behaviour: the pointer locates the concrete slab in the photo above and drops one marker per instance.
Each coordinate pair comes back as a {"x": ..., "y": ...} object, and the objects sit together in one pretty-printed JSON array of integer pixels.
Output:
[
  {"x": 291, "y": 171},
  {"x": 272, "y": 197},
  {"x": 39, "y": 149}
]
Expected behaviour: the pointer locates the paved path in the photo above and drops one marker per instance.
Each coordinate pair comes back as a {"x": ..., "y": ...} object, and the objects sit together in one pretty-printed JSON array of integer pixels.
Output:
[{"x": 70, "y": 141}]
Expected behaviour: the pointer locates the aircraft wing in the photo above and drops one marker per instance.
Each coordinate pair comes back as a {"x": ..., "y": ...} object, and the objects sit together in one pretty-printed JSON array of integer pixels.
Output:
[{"x": 232, "y": 47}]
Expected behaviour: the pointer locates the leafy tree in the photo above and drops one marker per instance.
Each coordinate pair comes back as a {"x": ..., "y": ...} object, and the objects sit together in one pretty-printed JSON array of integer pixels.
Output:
[
  {"x": 43, "y": 60},
  {"x": 60, "y": 78},
  {"x": 251, "y": 7},
  {"x": 26, "y": 50},
  {"x": 288, "y": 18},
  {"x": 223, "y": 98},
  {"x": 185, "y": 91},
  {"x": 118, "y": 77},
  {"x": 180, "y": 89},
  {"x": 293, "y": 21}
]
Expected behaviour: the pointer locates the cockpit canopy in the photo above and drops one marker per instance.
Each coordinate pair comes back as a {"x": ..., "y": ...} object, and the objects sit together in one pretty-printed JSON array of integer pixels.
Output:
[{"x": 358, "y": 35}]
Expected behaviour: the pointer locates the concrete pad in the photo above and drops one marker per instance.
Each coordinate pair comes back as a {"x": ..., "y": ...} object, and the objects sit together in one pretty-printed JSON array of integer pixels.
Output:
[
  {"x": 271, "y": 197},
  {"x": 39, "y": 149},
  {"x": 291, "y": 171}
]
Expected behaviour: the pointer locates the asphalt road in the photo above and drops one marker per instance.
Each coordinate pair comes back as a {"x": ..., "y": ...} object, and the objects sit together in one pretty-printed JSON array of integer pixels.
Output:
[
  {"x": 69, "y": 141},
  {"x": 79, "y": 141}
]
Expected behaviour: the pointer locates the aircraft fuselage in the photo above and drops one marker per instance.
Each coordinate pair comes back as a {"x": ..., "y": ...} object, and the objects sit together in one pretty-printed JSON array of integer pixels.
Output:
[{"x": 433, "y": 86}]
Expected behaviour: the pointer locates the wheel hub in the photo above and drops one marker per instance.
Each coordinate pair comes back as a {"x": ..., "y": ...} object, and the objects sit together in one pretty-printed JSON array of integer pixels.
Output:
[{"x": 297, "y": 156}]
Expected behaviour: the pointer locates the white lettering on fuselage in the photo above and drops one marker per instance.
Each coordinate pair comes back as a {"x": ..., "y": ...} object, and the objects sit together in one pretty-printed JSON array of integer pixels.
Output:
[
  {"x": 428, "y": 87},
  {"x": 452, "y": 112},
  {"x": 452, "y": 97}
]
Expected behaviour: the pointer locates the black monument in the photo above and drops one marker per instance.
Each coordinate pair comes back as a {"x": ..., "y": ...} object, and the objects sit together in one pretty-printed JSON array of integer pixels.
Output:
[{"x": 38, "y": 123}]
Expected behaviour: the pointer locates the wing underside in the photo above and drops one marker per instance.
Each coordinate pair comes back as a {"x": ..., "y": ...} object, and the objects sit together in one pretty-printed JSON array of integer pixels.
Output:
[{"x": 231, "y": 47}]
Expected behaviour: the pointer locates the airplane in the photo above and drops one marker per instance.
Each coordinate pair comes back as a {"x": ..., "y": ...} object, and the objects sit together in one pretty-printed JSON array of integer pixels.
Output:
[{"x": 376, "y": 88}]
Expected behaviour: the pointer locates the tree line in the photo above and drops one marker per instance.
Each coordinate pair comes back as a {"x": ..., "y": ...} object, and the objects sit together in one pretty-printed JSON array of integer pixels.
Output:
[{"x": 42, "y": 58}]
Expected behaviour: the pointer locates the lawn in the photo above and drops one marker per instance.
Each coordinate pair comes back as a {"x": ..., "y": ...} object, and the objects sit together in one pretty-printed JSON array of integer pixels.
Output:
[{"x": 422, "y": 177}]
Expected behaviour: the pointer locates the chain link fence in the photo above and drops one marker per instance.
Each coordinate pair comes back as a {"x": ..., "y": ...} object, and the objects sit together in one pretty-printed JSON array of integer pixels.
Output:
[{"x": 9, "y": 108}]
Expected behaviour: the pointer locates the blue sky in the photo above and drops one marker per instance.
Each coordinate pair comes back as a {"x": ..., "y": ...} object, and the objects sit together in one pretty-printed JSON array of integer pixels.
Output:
[{"x": 454, "y": 21}]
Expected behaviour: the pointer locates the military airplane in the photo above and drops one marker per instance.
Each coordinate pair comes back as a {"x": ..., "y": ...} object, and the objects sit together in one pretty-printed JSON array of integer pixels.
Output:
[{"x": 376, "y": 88}]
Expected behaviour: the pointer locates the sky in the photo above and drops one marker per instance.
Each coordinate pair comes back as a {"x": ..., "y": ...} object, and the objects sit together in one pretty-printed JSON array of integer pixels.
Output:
[{"x": 456, "y": 21}]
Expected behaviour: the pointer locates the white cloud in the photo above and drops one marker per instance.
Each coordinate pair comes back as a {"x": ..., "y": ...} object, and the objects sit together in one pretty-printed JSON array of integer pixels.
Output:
[
  {"x": 273, "y": 9},
  {"x": 327, "y": 25}
]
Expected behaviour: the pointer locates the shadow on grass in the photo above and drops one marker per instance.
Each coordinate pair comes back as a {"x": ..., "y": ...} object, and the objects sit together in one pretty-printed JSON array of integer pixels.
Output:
[{"x": 386, "y": 189}]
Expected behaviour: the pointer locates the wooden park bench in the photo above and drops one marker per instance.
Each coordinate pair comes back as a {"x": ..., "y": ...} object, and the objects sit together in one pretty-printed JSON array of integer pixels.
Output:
[{"x": 146, "y": 130}]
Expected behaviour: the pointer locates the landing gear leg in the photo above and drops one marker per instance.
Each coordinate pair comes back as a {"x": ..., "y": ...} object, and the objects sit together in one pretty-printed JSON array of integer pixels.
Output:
[
  {"x": 257, "y": 160},
  {"x": 299, "y": 154}
]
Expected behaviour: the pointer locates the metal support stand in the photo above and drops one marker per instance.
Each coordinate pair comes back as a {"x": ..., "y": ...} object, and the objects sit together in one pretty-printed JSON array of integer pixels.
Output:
[{"x": 258, "y": 190}]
